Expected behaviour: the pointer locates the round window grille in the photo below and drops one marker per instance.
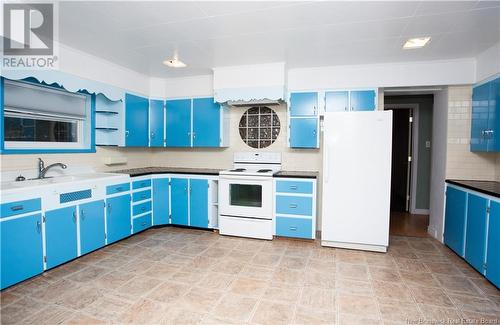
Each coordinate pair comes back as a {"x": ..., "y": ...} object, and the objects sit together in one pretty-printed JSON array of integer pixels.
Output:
[{"x": 259, "y": 127}]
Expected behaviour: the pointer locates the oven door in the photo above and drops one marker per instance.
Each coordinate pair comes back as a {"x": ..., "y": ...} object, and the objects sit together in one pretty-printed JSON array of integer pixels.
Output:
[{"x": 246, "y": 196}]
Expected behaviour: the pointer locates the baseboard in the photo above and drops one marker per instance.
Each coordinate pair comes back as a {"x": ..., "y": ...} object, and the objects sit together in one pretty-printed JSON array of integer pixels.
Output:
[
  {"x": 364, "y": 247},
  {"x": 433, "y": 232}
]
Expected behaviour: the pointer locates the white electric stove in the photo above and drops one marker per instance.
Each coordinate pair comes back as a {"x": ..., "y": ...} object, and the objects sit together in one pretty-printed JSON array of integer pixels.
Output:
[{"x": 246, "y": 195}]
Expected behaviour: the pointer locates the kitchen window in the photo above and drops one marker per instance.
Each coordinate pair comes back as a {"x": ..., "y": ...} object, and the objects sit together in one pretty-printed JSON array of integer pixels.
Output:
[
  {"x": 39, "y": 118},
  {"x": 259, "y": 127}
]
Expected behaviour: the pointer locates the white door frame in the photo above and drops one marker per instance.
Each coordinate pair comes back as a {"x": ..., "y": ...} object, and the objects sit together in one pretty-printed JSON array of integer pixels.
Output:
[{"x": 414, "y": 158}]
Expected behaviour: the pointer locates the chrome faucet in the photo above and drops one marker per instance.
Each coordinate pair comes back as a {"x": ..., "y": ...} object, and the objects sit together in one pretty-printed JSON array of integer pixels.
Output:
[{"x": 42, "y": 170}]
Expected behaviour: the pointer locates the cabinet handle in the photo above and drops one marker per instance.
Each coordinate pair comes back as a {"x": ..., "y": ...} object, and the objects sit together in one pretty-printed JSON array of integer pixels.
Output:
[
  {"x": 74, "y": 216},
  {"x": 119, "y": 189},
  {"x": 345, "y": 108},
  {"x": 293, "y": 228},
  {"x": 82, "y": 214},
  {"x": 38, "y": 227},
  {"x": 293, "y": 187},
  {"x": 109, "y": 208},
  {"x": 190, "y": 189},
  {"x": 152, "y": 134},
  {"x": 314, "y": 133},
  {"x": 143, "y": 224},
  {"x": 293, "y": 206},
  {"x": 17, "y": 207},
  {"x": 127, "y": 133},
  {"x": 143, "y": 196}
]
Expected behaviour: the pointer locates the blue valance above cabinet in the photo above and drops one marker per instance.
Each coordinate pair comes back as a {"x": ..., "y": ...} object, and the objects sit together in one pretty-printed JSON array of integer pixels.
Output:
[{"x": 485, "y": 117}]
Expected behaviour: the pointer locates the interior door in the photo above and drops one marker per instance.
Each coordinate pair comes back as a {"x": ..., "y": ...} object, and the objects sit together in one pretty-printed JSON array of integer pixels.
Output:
[
  {"x": 178, "y": 123},
  {"x": 206, "y": 123},
  {"x": 401, "y": 164}
]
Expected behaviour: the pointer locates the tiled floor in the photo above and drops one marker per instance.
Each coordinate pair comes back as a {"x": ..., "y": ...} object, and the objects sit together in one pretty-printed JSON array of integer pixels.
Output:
[{"x": 182, "y": 276}]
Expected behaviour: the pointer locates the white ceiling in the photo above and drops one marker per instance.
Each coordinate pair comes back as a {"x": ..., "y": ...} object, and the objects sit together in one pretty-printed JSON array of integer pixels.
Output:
[{"x": 140, "y": 35}]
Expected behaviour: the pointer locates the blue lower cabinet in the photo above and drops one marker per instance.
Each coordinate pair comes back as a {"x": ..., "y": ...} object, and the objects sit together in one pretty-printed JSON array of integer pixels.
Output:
[
  {"x": 118, "y": 217},
  {"x": 493, "y": 244},
  {"x": 294, "y": 227},
  {"x": 198, "y": 203},
  {"x": 61, "y": 236},
  {"x": 363, "y": 100},
  {"x": 161, "y": 201},
  {"x": 179, "y": 188},
  {"x": 475, "y": 238},
  {"x": 303, "y": 132},
  {"x": 298, "y": 205},
  {"x": 142, "y": 223},
  {"x": 455, "y": 215},
  {"x": 21, "y": 249},
  {"x": 92, "y": 233}
]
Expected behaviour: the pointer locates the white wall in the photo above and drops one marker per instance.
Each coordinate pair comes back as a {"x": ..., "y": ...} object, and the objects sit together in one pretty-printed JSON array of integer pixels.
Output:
[
  {"x": 449, "y": 72},
  {"x": 189, "y": 86},
  {"x": 438, "y": 163},
  {"x": 488, "y": 63}
]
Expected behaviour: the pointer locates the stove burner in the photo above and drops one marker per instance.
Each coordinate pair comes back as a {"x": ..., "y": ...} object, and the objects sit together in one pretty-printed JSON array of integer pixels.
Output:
[
  {"x": 264, "y": 170},
  {"x": 237, "y": 170}
]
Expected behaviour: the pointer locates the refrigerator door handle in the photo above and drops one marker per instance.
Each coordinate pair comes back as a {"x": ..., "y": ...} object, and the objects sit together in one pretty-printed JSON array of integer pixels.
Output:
[{"x": 326, "y": 168}]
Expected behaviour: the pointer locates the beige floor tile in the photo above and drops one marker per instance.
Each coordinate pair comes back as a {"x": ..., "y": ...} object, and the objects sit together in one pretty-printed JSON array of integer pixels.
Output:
[
  {"x": 384, "y": 274},
  {"x": 212, "y": 320},
  {"x": 480, "y": 318},
  {"x": 431, "y": 296},
  {"x": 350, "y": 319},
  {"x": 323, "y": 253},
  {"x": 423, "y": 246},
  {"x": 216, "y": 252},
  {"x": 248, "y": 286},
  {"x": 443, "y": 268},
  {"x": 485, "y": 286},
  {"x": 216, "y": 281},
  {"x": 352, "y": 271},
  {"x": 177, "y": 259},
  {"x": 318, "y": 298},
  {"x": 241, "y": 256},
  {"x": 392, "y": 290},
  {"x": 282, "y": 293},
  {"x": 424, "y": 279},
  {"x": 8, "y": 298},
  {"x": 81, "y": 298},
  {"x": 309, "y": 316},
  {"x": 353, "y": 287},
  {"x": 293, "y": 263},
  {"x": 55, "y": 290},
  {"x": 257, "y": 272},
  {"x": 143, "y": 312},
  {"x": 139, "y": 266},
  {"x": 228, "y": 267},
  {"x": 202, "y": 263},
  {"x": 399, "y": 312},
  {"x": 350, "y": 256},
  {"x": 109, "y": 307},
  {"x": 410, "y": 265},
  {"x": 272, "y": 313},
  {"x": 327, "y": 265},
  {"x": 439, "y": 315},
  {"x": 19, "y": 310},
  {"x": 200, "y": 299},
  {"x": 161, "y": 271},
  {"x": 82, "y": 319},
  {"x": 182, "y": 316},
  {"x": 358, "y": 305},
  {"x": 235, "y": 307},
  {"x": 138, "y": 286},
  {"x": 168, "y": 292},
  {"x": 319, "y": 279},
  {"x": 290, "y": 277},
  {"x": 475, "y": 304},
  {"x": 192, "y": 250},
  {"x": 113, "y": 279},
  {"x": 382, "y": 260},
  {"x": 88, "y": 274},
  {"x": 30, "y": 286},
  {"x": 185, "y": 276},
  {"x": 457, "y": 284},
  {"x": 266, "y": 260},
  {"x": 301, "y": 249}
]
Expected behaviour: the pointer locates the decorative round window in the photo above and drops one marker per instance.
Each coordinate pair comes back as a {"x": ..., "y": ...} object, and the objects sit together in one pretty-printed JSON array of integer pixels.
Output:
[{"x": 259, "y": 127}]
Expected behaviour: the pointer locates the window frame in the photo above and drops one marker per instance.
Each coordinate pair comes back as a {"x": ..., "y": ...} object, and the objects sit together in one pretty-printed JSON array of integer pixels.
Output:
[{"x": 86, "y": 128}]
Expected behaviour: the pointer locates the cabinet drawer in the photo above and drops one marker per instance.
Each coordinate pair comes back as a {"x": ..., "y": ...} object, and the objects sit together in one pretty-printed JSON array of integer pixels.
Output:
[
  {"x": 294, "y": 187},
  {"x": 142, "y": 195},
  {"x": 141, "y": 208},
  {"x": 294, "y": 227},
  {"x": 20, "y": 207},
  {"x": 294, "y": 205},
  {"x": 141, "y": 183},
  {"x": 117, "y": 188},
  {"x": 142, "y": 223}
]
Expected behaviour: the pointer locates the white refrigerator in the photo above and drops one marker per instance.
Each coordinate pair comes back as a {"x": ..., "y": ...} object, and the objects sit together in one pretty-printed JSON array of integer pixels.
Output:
[{"x": 357, "y": 149}]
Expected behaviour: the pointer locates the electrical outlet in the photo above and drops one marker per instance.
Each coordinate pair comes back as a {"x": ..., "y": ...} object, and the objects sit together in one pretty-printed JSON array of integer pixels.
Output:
[{"x": 427, "y": 144}]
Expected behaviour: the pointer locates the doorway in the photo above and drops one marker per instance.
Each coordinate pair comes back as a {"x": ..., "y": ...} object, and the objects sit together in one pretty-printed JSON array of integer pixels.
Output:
[{"x": 410, "y": 175}]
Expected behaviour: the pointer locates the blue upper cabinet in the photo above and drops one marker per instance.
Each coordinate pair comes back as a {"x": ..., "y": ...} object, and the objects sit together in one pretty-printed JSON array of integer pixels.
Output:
[
  {"x": 136, "y": 121},
  {"x": 485, "y": 124},
  {"x": 21, "y": 249},
  {"x": 198, "y": 202},
  {"x": 156, "y": 123},
  {"x": 206, "y": 122},
  {"x": 337, "y": 101},
  {"x": 455, "y": 215},
  {"x": 303, "y": 104},
  {"x": 303, "y": 132},
  {"x": 178, "y": 123},
  {"x": 363, "y": 100},
  {"x": 161, "y": 201},
  {"x": 493, "y": 258},
  {"x": 475, "y": 238}
]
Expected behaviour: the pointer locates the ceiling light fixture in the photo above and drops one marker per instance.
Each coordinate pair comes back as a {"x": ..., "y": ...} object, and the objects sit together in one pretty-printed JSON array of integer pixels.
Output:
[
  {"x": 416, "y": 43},
  {"x": 174, "y": 63}
]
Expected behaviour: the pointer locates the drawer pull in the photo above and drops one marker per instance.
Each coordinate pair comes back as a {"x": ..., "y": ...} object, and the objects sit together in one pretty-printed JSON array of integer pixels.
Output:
[
  {"x": 293, "y": 206},
  {"x": 17, "y": 207},
  {"x": 38, "y": 227},
  {"x": 74, "y": 216},
  {"x": 143, "y": 208},
  {"x": 293, "y": 228},
  {"x": 143, "y": 224},
  {"x": 119, "y": 189},
  {"x": 143, "y": 196},
  {"x": 293, "y": 187}
]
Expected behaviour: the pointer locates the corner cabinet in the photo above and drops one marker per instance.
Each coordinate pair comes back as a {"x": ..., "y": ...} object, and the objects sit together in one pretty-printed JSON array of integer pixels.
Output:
[
  {"x": 303, "y": 124},
  {"x": 485, "y": 117},
  {"x": 136, "y": 121},
  {"x": 472, "y": 229}
]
